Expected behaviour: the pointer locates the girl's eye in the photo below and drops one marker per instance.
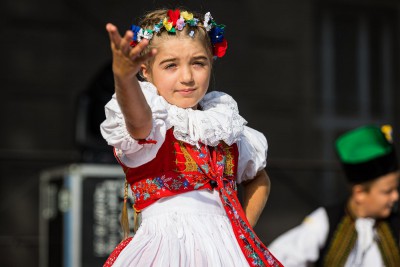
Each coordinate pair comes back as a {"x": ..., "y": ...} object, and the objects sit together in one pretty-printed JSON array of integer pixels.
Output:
[
  {"x": 199, "y": 63},
  {"x": 169, "y": 66}
]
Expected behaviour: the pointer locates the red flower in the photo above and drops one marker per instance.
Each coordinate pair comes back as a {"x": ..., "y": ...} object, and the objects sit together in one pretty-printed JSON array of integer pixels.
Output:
[
  {"x": 174, "y": 15},
  {"x": 220, "y": 48},
  {"x": 133, "y": 43}
]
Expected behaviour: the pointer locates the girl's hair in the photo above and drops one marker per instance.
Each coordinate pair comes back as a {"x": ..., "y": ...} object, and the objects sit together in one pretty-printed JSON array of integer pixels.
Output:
[{"x": 152, "y": 18}]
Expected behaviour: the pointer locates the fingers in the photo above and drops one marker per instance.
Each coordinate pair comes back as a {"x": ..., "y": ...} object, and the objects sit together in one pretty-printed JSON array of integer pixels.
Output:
[
  {"x": 135, "y": 53},
  {"x": 148, "y": 55},
  {"x": 118, "y": 42},
  {"x": 113, "y": 34},
  {"x": 125, "y": 44}
]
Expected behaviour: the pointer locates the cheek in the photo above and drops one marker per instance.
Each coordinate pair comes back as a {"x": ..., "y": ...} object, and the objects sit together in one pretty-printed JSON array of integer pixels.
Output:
[
  {"x": 380, "y": 202},
  {"x": 204, "y": 80},
  {"x": 374, "y": 202},
  {"x": 163, "y": 82}
]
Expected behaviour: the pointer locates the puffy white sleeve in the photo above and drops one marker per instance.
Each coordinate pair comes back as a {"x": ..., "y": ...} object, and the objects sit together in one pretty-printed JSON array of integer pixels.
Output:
[
  {"x": 300, "y": 246},
  {"x": 253, "y": 149},
  {"x": 130, "y": 151}
]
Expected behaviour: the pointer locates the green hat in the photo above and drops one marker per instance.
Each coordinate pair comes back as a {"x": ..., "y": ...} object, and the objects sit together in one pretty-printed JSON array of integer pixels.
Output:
[{"x": 366, "y": 153}]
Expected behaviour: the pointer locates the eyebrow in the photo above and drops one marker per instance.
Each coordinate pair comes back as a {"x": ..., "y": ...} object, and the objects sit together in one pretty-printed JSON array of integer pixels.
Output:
[
  {"x": 201, "y": 58},
  {"x": 167, "y": 60},
  {"x": 174, "y": 59}
]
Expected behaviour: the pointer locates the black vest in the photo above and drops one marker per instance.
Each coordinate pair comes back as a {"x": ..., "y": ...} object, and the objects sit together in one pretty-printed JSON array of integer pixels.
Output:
[{"x": 337, "y": 212}]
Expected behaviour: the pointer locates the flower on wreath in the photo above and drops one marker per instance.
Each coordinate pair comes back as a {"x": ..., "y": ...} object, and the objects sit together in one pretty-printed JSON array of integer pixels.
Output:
[
  {"x": 158, "y": 26},
  {"x": 174, "y": 15},
  {"x": 135, "y": 29},
  {"x": 186, "y": 15},
  {"x": 168, "y": 25},
  {"x": 148, "y": 34},
  {"x": 180, "y": 24},
  {"x": 220, "y": 48},
  {"x": 217, "y": 34},
  {"x": 207, "y": 19}
]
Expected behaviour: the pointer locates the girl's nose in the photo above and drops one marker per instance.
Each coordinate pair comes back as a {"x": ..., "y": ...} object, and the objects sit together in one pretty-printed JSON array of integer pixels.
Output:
[{"x": 187, "y": 75}]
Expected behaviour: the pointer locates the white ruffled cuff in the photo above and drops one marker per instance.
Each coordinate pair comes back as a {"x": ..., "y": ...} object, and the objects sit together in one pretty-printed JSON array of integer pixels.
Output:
[{"x": 132, "y": 152}]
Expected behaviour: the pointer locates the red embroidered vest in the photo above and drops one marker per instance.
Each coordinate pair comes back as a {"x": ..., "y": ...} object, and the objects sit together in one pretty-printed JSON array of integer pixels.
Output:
[
  {"x": 180, "y": 167},
  {"x": 174, "y": 170}
]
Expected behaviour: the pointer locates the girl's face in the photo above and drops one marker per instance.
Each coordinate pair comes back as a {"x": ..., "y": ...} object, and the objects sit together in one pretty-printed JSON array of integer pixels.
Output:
[{"x": 180, "y": 71}]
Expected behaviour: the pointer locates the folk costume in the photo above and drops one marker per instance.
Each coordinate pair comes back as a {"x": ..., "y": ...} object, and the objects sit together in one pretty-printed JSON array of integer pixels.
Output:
[
  {"x": 333, "y": 236},
  {"x": 183, "y": 179}
]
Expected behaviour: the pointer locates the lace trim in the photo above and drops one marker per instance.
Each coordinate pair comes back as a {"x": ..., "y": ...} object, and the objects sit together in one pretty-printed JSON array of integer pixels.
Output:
[{"x": 219, "y": 119}]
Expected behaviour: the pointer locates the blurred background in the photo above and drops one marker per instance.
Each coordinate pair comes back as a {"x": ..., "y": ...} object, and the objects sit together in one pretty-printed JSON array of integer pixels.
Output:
[{"x": 302, "y": 72}]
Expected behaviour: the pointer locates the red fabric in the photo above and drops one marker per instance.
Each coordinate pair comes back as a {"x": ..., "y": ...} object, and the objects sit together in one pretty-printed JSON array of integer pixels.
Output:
[
  {"x": 147, "y": 141},
  {"x": 114, "y": 255}
]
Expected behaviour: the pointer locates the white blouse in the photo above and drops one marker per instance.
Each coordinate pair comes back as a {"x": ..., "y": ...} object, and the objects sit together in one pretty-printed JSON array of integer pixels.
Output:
[{"x": 219, "y": 120}]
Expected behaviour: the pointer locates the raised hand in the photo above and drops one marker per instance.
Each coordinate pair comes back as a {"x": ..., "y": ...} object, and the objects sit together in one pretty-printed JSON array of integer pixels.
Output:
[{"x": 126, "y": 59}]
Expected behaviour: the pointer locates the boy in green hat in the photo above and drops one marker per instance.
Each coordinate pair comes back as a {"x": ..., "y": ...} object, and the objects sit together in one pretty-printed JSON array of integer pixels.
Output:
[{"x": 364, "y": 231}]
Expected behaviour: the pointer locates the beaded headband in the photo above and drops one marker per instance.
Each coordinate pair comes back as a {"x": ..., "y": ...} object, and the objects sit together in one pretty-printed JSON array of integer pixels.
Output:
[{"x": 176, "y": 21}]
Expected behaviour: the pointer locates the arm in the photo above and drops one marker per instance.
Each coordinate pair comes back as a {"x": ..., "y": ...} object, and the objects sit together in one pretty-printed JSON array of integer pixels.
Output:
[
  {"x": 300, "y": 246},
  {"x": 127, "y": 62},
  {"x": 256, "y": 192}
]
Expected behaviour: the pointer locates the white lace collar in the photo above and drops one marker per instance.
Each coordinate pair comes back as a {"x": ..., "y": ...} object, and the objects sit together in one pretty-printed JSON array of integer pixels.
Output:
[{"x": 219, "y": 119}]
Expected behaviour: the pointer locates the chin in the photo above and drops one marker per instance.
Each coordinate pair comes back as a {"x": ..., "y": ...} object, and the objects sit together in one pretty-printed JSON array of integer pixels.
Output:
[
  {"x": 188, "y": 105},
  {"x": 384, "y": 214}
]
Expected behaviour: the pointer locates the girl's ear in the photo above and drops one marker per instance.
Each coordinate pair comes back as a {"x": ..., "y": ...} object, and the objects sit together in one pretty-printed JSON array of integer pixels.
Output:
[{"x": 144, "y": 72}]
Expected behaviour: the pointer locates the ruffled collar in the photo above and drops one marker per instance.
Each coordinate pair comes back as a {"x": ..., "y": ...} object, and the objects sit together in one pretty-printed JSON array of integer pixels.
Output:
[{"x": 219, "y": 119}]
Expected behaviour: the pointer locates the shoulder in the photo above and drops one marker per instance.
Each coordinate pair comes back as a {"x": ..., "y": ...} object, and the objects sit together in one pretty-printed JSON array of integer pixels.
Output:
[{"x": 318, "y": 217}]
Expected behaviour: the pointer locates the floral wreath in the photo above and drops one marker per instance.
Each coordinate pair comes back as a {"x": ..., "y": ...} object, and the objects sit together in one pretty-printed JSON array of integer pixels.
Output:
[{"x": 177, "y": 20}]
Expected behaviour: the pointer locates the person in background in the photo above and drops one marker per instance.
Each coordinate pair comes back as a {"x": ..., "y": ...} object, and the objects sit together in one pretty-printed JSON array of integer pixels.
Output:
[
  {"x": 363, "y": 231},
  {"x": 183, "y": 150}
]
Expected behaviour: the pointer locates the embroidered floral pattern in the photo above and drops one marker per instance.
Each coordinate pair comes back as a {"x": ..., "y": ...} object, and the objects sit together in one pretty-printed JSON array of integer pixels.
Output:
[
  {"x": 254, "y": 250},
  {"x": 191, "y": 175},
  {"x": 153, "y": 188}
]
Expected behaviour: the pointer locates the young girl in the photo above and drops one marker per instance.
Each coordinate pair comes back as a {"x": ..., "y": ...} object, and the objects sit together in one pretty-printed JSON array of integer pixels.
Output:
[{"x": 183, "y": 151}]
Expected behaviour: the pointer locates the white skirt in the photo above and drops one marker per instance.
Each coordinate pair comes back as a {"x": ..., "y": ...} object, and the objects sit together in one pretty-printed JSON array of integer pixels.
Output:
[{"x": 189, "y": 229}]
